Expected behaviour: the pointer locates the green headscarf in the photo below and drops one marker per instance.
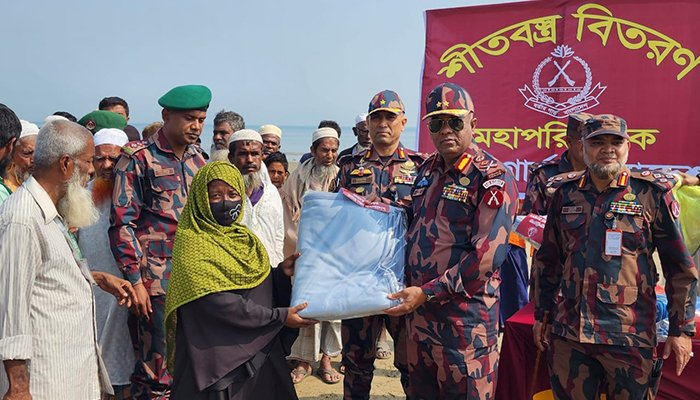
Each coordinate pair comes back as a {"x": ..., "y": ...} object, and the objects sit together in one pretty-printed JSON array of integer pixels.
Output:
[{"x": 208, "y": 257}]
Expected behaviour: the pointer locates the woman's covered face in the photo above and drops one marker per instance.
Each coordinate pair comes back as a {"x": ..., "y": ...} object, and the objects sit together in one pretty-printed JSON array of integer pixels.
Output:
[{"x": 225, "y": 202}]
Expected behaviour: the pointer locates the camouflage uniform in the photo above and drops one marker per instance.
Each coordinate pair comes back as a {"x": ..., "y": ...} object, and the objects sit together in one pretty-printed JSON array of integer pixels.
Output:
[
  {"x": 150, "y": 190},
  {"x": 456, "y": 242},
  {"x": 610, "y": 300},
  {"x": 365, "y": 173},
  {"x": 535, "y": 196}
]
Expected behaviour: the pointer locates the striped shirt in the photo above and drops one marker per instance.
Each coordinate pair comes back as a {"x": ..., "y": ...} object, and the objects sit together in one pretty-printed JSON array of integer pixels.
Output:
[{"x": 46, "y": 302}]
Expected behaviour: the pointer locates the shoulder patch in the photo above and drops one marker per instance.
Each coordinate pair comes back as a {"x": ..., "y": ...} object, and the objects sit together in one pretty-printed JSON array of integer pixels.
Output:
[
  {"x": 663, "y": 181},
  {"x": 560, "y": 180},
  {"x": 132, "y": 148},
  {"x": 537, "y": 165},
  {"x": 488, "y": 165}
]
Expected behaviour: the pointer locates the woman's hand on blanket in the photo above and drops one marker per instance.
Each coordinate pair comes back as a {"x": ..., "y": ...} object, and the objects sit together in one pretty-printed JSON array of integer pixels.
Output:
[
  {"x": 296, "y": 321},
  {"x": 288, "y": 264},
  {"x": 411, "y": 297}
]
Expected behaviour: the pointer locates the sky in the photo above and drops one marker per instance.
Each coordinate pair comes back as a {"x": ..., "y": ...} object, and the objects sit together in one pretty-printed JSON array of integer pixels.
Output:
[{"x": 281, "y": 62}]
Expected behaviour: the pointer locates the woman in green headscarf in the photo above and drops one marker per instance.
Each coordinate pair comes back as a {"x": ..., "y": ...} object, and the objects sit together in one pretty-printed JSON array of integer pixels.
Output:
[{"x": 228, "y": 325}]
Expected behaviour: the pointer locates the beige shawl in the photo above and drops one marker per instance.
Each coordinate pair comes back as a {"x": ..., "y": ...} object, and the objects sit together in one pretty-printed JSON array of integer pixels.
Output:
[{"x": 292, "y": 193}]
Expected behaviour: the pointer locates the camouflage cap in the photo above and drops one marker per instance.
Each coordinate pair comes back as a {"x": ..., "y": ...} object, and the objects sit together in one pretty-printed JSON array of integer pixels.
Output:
[
  {"x": 448, "y": 98},
  {"x": 100, "y": 119},
  {"x": 604, "y": 124},
  {"x": 386, "y": 100},
  {"x": 188, "y": 97},
  {"x": 576, "y": 120}
]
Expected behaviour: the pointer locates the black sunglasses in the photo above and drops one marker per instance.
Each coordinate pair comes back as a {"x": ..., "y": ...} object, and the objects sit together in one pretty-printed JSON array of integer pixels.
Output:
[{"x": 455, "y": 123}]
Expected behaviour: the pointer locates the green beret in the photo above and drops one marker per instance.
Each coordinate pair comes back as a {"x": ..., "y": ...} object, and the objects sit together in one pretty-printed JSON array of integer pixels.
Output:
[
  {"x": 99, "y": 119},
  {"x": 188, "y": 97}
]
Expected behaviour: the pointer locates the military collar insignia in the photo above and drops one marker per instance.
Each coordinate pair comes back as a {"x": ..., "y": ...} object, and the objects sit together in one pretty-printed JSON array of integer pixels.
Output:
[
  {"x": 582, "y": 181},
  {"x": 623, "y": 178},
  {"x": 463, "y": 162}
]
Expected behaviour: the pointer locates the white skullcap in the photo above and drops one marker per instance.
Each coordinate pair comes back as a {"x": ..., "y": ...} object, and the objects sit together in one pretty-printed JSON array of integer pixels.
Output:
[
  {"x": 113, "y": 136},
  {"x": 52, "y": 118},
  {"x": 270, "y": 130},
  {"x": 321, "y": 133},
  {"x": 28, "y": 129},
  {"x": 245, "y": 134},
  {"x": 361, "y": 118}
]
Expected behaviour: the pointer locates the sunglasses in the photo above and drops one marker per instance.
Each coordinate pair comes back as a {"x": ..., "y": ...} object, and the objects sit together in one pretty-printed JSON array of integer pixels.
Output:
[{"x": 436, "y": 125}]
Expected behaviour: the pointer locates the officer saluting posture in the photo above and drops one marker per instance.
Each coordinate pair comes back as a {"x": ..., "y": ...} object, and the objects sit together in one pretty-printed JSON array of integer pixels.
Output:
[
  {"x": 151, "y": 183},
  {"x": 464, "y": 203},
  {"x": 602, "y": 228}
]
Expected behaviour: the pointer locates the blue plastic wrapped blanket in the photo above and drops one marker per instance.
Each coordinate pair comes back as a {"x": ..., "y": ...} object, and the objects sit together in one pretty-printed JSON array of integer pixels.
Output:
[{"x": 352, "y": 257}]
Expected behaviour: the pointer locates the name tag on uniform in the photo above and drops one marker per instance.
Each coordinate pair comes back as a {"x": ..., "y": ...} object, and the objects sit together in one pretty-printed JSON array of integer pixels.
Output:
[
  {"x": 613, "y": 242},
  {"x": 164, "y": 172},
  {"x": 361, "y": 181},
  {"x": 572, "y": 210}
]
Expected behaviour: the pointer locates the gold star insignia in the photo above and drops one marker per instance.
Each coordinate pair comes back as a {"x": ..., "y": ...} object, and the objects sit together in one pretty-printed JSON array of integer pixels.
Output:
[
  {"x": 382, "y": 102},
  {"x": 439, "y": 104},
  {"x": 444, "y": 103}
]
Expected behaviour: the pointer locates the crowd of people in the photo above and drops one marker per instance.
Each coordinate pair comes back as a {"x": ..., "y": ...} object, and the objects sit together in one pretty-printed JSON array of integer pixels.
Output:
[{"x": 193, "y": 253}]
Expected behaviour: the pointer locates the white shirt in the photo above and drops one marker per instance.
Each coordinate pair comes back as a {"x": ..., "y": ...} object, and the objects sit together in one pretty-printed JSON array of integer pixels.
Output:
[
  {"x": 112, "y": 330},
  {"x": 46, "y": 303},
  {"x": 266, "y": 219}
]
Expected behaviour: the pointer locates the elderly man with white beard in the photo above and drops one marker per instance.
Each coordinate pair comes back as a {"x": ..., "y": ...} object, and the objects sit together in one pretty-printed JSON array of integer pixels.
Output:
[
  {"x": 22, "y": 165},
  {"x": 47, "y": 326},
  {"x": 317, "y": 173},
  {"x": 112, "y": 330},
  {"x": 264, "y": 215}
]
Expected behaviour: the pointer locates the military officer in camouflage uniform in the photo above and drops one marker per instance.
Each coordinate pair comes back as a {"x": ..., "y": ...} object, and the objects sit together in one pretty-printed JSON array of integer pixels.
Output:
[
  {"x": 151, "y": 183},
  {"x": 537, "y": 193},
  {"x": 602, "y": 228},
  {"x": 571, "y": 160},
  {"x": 464, "y": 203},
  {"x": 387, "y": 170}
]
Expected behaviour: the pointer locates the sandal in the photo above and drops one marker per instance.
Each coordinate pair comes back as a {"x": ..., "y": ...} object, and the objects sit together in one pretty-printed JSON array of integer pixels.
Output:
[
  {"x": 323, "y": 372},
  {"x": 296, "y": 372},
  {"x": 383, "y": 351}
]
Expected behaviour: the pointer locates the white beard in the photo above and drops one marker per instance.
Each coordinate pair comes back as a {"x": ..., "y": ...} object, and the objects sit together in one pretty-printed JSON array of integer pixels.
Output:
[
  {"x": 77, "y": 206},
  {"x": 22, "y": 176},
  {"x": 252, "y": 181},
  {"x": 218, "y": 155},
  {"x": 324, "y": 173}
]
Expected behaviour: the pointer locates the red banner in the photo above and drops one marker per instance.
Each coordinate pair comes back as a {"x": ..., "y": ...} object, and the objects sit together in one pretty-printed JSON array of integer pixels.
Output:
[{"x": 528, "y": 65}]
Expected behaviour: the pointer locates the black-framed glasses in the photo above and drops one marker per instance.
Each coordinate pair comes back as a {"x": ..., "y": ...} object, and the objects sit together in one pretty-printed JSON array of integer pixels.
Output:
[{"x": 456, "y": 124}]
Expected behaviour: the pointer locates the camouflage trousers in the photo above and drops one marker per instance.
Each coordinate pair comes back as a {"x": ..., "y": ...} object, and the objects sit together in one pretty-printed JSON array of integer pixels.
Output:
[
  {"x": 581, "y": 371},
  {"x": 151, "y": 379},
  {"x": 359, "y": 352},
  {"x": 438, "y": 372}
]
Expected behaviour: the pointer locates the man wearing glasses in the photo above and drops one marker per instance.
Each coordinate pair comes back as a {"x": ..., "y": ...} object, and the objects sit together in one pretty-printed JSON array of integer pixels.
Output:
[
  {"x": 386, "y": 170},
  {"x": 464, "y": 203}
]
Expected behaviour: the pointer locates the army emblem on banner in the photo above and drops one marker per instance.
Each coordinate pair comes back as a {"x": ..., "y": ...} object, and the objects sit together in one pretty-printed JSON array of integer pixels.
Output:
[{"x": 566, "y": 77}]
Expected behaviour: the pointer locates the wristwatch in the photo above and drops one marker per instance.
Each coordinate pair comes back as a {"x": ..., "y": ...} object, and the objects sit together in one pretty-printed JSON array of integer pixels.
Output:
[{"x": 689, "y": 334}]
